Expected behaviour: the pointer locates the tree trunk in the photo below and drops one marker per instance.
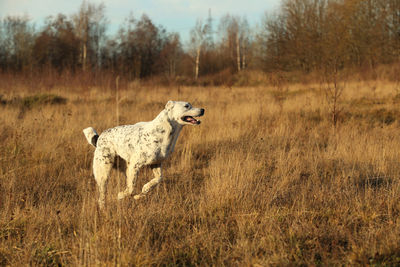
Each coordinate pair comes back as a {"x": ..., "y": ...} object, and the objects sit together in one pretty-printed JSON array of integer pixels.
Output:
[
  {"x": 196, "y": 74},
  {"x": 244, "y": 56},
  {"x": 84, "y": 57},
  {"x": 238, "y": 52}
]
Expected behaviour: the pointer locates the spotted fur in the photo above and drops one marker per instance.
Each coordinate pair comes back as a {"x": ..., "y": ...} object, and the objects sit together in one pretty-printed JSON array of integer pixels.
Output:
[{"x": 141, "y": 144}]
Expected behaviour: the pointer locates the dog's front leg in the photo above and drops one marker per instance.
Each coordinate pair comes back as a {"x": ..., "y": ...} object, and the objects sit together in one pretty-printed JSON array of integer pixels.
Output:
[
  {"x": 131, "y": 176},
  {"x": 153, "y": 182}
]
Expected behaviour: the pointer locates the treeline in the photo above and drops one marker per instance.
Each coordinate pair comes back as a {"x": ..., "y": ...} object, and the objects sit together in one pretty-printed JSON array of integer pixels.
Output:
[
  {"x": 303, "y": 35},
  {"x": 309, "y": 35}
]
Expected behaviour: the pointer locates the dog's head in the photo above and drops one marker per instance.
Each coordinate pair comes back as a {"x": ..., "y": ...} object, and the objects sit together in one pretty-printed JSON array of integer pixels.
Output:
[{"x": 183, "y": 112}]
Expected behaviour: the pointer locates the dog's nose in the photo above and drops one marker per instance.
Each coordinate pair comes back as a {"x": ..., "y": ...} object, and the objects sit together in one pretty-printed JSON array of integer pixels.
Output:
[{"x": 201, "y": 111}]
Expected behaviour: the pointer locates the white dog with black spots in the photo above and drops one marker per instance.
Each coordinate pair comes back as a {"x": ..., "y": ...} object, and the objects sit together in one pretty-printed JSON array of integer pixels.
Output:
[{"x": 141, "y": 144}]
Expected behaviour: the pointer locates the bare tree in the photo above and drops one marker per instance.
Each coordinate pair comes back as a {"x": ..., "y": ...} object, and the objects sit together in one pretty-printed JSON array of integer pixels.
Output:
[
  {"x": 56, "y": 46},
  {"x": 245, "y": 40},
  {"x": 17, "y": 41},
  {"x": 126, "y": 52},
  {"x": 141, "y": 43},
  {"x": 333, "y": 85},
  {"x": 81, "y": 21},
  {"x": 90, "y": 26},
  {"x": 170, "y": 55},
  {"x": 149, "y": 42},
  {"x": 234, "y": 35},
  {"x": 198, "y": 38}
]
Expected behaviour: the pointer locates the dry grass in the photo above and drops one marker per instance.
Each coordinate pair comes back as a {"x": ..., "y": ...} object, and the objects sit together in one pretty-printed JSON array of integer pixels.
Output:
[{"x": 258, "y": 183}]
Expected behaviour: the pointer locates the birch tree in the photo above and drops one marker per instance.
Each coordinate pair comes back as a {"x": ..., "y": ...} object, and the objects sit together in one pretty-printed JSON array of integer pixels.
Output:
[
  {"x": 198, "y": 39},
  {"x": 234, "y": 35},
  {"x": 90, "y": 26}
]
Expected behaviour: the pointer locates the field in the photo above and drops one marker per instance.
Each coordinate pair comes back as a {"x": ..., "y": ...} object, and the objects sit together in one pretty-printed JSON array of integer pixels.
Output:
[{"x": 266, "y": 179}]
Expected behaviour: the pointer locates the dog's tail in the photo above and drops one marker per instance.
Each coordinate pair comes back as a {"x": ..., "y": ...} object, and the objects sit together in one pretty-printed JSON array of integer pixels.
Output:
[{"x": 91, "y": 135}]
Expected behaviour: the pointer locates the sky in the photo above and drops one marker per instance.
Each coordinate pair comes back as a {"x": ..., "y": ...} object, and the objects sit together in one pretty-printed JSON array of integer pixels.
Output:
[{"x": 174, "y": 15}]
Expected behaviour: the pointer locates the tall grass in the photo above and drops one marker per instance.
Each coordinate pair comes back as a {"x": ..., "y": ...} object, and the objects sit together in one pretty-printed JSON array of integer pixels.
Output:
[{"x": 259, "y": 182}]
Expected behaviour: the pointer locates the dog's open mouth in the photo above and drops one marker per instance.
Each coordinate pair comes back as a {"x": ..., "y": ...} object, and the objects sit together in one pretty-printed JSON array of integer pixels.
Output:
[{"x": 190, "y": 119}]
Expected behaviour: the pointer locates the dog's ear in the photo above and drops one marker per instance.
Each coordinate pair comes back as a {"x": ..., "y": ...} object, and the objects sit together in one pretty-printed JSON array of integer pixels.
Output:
[{"x": 169, "y": 105}]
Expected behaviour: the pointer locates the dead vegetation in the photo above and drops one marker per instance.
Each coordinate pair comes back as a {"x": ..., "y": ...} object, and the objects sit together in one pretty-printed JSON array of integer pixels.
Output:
[{"x": 262, "y": 181}]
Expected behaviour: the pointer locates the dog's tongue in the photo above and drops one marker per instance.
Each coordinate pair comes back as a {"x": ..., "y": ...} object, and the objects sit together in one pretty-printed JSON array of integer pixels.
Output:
[{"x": 191, "y": 120}]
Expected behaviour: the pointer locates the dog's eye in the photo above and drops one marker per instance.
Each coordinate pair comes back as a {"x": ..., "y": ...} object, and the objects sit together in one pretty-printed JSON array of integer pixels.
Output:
[{"x": 187, "y": 106}]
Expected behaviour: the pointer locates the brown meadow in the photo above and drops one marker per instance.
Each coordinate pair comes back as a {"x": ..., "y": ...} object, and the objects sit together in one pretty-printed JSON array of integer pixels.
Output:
[{"x": 262, "y": 181}]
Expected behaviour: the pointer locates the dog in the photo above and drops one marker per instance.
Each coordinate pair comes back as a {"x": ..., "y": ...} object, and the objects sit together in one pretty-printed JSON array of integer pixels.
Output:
[{"x": 140, "y": 144}]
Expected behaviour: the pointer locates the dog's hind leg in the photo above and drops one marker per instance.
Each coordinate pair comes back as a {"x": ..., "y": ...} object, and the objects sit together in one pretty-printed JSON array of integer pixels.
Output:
[
  {"x": 153, "y": 182},
  {"x": 102, "y": 165},
  {"x": 131, "y": 176}
]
